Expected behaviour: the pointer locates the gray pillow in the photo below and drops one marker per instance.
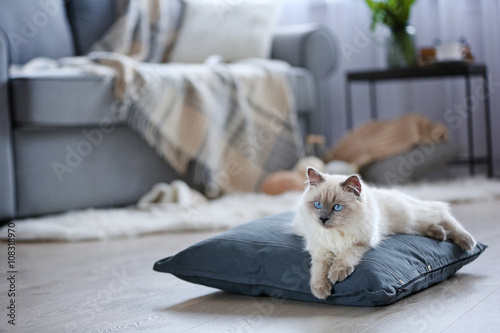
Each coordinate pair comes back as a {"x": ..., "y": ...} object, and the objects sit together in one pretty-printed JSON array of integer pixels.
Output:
[
  {"x": 263, "y": 257},
  {"x": 89, "y": 20},
  {"x": 411, "y": 165}
]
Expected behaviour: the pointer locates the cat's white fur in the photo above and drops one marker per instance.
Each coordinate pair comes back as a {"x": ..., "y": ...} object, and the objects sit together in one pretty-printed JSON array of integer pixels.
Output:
[{"x": 369, "y": 214}]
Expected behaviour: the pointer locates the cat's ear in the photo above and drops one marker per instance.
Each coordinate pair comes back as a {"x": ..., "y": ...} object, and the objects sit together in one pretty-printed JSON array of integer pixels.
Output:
[
  {"x": 315, "y": 177},
  {"x": 353, "y": 184}
]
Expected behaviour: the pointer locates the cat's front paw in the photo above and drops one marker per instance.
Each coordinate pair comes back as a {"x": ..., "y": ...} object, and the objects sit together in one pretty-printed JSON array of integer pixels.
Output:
[
  {"x": 465, "y": 241},
  {"x": 321, "y": 288},
  {"x": 339, "y": 271},
  {"x": 436, "y": 231}
]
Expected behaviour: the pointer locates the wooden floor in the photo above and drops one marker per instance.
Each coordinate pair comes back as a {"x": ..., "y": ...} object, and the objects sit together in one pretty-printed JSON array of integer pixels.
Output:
[{"x": 110, "y": 287}]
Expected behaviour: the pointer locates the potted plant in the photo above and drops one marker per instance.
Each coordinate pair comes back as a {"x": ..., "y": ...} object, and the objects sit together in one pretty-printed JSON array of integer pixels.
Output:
[{"x": 395, "y": 15}]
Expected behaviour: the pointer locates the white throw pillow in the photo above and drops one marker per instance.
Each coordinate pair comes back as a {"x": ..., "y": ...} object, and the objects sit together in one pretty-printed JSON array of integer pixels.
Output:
[{"x": 232, "y": 29}]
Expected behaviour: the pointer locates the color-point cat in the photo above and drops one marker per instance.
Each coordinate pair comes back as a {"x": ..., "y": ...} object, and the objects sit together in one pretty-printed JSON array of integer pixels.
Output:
[{"x": 341, "y": 218}]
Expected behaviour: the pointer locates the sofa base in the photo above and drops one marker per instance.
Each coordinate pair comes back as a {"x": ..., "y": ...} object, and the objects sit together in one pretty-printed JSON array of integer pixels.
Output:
[{"x": 76, "y": 168}]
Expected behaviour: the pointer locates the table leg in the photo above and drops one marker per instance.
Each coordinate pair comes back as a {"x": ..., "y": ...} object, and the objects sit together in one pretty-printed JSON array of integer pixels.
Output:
[
  {"x": 348, "y": 106},
  {"x": 487, "y": 120},
  {"x": 373, "y": 101},
  {"x": 470, "y": 128}
]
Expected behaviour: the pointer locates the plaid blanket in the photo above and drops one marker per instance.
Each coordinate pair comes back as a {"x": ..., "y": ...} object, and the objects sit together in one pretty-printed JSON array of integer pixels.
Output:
[
  {"x": 144, "y": 30},
  {"x": 235, "y": 122}
]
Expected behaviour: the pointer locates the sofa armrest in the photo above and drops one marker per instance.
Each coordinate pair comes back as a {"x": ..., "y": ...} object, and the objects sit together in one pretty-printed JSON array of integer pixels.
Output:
[
  {"x": 310, "y": 46},
  {"x": 7, "y": 192}
]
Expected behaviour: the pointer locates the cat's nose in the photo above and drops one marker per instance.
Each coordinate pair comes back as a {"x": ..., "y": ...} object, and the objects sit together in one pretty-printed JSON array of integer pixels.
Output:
[{"x": 323, "y": 219}]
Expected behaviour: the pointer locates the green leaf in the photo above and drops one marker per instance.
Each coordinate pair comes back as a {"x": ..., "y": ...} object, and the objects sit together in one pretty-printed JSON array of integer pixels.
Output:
[
  {"x": 392, "y": 13},
  {"x": 370, "y": 4}
]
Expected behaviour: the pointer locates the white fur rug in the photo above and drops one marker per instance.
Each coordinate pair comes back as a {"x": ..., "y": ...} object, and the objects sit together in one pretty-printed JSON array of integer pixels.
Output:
[{"x": 186, "y": 212}]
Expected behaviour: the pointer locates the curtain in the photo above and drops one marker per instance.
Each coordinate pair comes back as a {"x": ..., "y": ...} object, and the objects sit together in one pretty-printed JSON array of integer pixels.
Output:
[{"x": 476, "y": 20}]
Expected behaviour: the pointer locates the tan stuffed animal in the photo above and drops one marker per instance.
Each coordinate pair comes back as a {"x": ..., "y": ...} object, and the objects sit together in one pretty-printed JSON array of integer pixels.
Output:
[{"x": 283, "y": 181}]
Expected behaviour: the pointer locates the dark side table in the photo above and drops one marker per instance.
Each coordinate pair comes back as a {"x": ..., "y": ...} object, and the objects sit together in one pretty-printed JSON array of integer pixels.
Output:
[{"x": 460, "y": 69}]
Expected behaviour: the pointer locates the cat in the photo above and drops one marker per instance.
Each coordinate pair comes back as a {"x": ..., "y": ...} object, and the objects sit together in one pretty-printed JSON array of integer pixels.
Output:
[{"x": 340, "y": 218}]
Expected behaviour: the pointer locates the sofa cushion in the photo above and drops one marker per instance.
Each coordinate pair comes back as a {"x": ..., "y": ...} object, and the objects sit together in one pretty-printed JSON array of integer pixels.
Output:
[
  {"x": 63, "y": 99},
  {"x": 36, "y": 29},
  {"x": 76, "y": 99}
]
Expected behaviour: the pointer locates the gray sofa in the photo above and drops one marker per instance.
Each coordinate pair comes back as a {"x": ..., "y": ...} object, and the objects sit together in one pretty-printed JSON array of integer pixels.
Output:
[{"x": 61, "y": 144}]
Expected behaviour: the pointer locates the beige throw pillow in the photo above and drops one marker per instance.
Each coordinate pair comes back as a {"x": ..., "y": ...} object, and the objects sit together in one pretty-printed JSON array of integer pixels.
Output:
[{"x": 234, "y": 30}]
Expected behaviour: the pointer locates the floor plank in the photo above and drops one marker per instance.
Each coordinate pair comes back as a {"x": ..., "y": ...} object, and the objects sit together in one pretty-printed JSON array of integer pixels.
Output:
[{"x": 484, "y": 317}]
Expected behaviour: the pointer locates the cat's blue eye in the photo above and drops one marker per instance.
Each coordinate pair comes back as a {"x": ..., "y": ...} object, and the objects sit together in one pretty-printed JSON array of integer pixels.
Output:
[
  {"x": 338, "y": 207},
  {"x": 318, "y": 205}
]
